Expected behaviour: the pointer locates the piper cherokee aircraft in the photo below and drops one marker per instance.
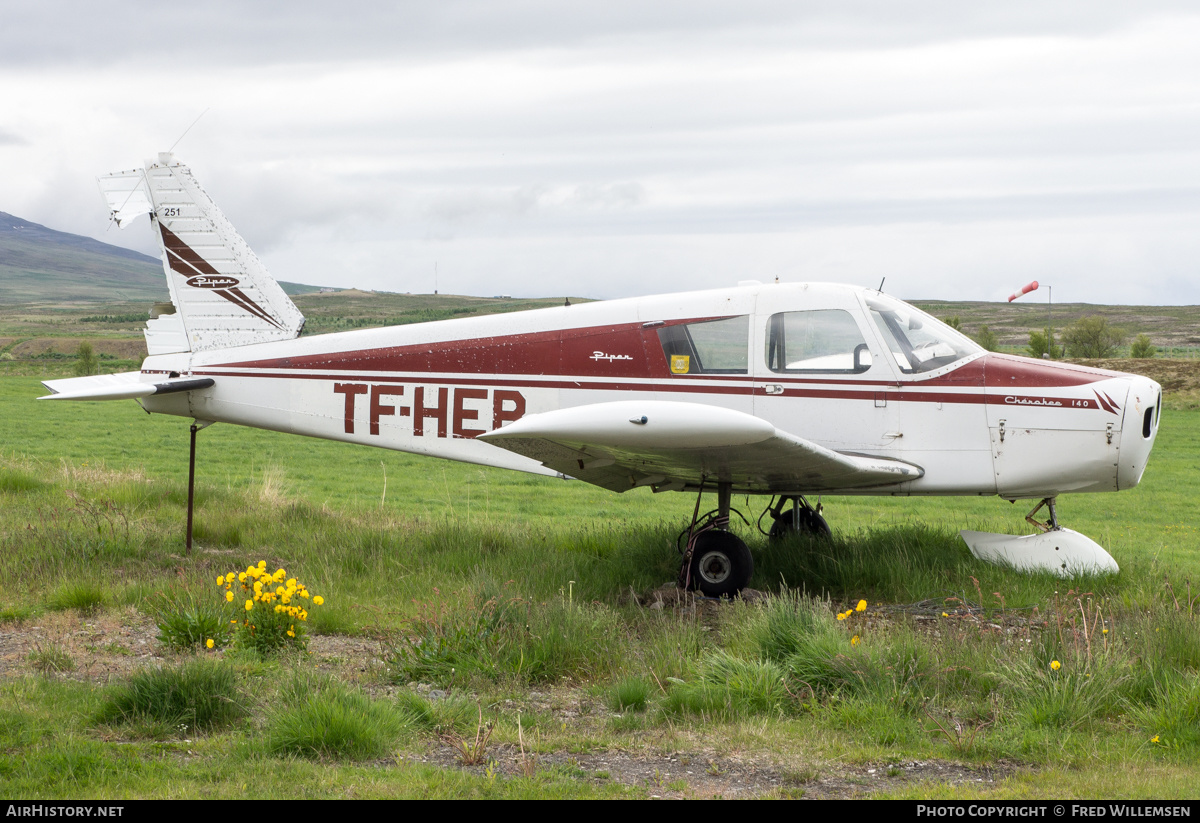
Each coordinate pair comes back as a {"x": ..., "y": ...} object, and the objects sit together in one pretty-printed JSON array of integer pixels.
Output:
[{"x": 788, "y": 390}]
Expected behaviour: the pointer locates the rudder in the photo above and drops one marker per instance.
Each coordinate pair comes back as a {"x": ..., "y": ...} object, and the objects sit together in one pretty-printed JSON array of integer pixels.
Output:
[{"x": 223, "y": 294}]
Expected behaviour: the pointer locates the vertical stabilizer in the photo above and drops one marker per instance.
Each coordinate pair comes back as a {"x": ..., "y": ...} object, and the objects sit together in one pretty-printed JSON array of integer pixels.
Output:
[{"x": 222, "y": 292}]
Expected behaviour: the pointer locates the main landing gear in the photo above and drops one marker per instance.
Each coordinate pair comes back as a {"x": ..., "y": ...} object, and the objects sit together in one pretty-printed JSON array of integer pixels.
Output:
[
  {"x": 792, "y": 514},
  {"x": 716, "y": 562}
]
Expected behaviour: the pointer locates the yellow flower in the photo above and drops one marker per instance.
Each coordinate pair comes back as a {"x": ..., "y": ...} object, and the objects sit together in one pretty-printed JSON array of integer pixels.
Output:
[
  {"x": 291, "y": 633},
  {"x": 1154, "y": 739},
  {"x": 242, "y": 577},
  {"x": 840, "y": 615},
  {"x": 945, "y": 615},
  {"x": 861, "y": 607},
  {"x": 854, "y": 640},
  {"x": 262, "y": 564},
  {"x": 228, "y": 597},
  {"x": 209, "y": 643},
  {"x": 249, "y": 605},
  {"x": 1054, "y": 664},
  {"x": 220, "y": 580},
  {"x": 1105, "y": 631},
  {"x": 318, "y": 600}
]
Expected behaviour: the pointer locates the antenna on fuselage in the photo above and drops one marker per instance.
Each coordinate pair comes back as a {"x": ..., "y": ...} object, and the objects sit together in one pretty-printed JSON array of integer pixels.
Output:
[{"x": 880, "y": 289}]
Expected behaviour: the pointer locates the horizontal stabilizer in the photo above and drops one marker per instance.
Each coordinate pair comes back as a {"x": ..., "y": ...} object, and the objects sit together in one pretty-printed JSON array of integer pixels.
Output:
[
  {"x": 124, "y": 386},
  {"x": 672, "y": 445}
]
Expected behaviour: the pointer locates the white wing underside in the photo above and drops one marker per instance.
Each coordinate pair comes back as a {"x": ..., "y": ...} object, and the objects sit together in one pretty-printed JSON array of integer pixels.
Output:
[{"x": 671, "y": 446}]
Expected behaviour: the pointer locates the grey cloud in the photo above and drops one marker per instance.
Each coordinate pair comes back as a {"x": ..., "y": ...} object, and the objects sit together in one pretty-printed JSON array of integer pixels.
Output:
[
  {"x": 166, "y": 36},
  {"x": 611, "y": 195}
]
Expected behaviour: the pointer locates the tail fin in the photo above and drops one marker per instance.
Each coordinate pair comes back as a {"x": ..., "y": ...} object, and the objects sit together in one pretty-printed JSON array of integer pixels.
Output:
[{"x": 222, "y": 292}]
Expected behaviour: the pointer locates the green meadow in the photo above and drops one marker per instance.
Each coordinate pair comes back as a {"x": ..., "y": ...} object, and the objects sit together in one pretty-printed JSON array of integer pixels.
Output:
[{"x": 488, "y": 634}]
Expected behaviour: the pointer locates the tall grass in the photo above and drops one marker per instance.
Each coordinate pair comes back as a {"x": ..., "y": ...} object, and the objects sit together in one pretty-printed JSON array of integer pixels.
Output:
[
  {"x": 199, "y": 694},
  {"x": 513, "y": 638},
  {"x": 319, "y": 718}
]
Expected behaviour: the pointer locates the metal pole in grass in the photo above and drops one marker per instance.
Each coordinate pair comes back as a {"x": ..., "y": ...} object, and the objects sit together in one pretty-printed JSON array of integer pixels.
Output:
[{"x": 191, "y": 488}]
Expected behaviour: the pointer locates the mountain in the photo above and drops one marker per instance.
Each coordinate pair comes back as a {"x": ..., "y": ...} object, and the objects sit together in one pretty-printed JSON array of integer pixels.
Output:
[{"x": 39, "y": 265}]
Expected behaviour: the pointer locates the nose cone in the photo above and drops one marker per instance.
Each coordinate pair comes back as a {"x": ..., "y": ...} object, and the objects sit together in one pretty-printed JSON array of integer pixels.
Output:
[{"x": 1138, "y": 430}]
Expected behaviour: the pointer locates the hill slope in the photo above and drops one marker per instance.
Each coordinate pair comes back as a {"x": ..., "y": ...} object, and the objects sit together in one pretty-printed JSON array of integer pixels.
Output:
[{"x": 38, "y": 264}]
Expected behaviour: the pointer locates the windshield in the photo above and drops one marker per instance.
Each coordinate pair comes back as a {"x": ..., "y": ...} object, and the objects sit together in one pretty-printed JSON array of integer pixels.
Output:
[{"x": 918, "y": 342}]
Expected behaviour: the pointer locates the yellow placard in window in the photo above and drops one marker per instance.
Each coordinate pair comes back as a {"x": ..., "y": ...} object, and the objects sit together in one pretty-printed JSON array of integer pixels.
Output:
[{"x": 680, "y": 363}]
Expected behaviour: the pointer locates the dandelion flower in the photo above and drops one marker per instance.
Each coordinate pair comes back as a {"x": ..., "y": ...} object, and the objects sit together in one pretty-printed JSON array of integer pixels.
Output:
[
  {"x": 209, "y": 643},
  {"x": 1055, "y": 665},
  {"x": 861, "y": 607},
  {"x": 318, "y": 600}
]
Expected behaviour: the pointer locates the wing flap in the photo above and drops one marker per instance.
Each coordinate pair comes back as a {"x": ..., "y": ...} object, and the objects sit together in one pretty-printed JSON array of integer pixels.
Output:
[{"x": 667, "y": 444}]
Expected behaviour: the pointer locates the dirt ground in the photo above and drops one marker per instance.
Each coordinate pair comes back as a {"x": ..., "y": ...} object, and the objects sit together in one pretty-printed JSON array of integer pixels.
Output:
[
  {"x": 1172, "y": 375},
  {"x": 113, "y": 644}
]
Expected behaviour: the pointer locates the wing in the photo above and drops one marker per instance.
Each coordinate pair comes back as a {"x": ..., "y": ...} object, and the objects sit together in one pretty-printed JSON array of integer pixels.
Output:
[{"x": 671, "y": 446}]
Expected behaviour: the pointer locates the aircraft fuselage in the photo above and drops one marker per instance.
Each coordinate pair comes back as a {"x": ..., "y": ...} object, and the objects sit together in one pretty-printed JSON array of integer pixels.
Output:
[{"x": 850, "y": 369}]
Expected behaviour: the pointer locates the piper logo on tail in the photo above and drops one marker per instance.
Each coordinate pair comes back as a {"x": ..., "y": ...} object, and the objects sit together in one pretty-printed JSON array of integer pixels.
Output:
[
  {"x": 206, "y": 281},
  {"x": 200, "y": 274}
]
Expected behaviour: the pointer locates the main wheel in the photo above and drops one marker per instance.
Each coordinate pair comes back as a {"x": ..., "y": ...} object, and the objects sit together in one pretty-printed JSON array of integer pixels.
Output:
[
  {"x": 810, "y": 523},
  {"x": 721, "y": 564}
]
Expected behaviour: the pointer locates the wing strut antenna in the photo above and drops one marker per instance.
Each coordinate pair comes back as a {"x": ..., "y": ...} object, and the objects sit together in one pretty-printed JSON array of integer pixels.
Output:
[{"x": 197, "y": 425}]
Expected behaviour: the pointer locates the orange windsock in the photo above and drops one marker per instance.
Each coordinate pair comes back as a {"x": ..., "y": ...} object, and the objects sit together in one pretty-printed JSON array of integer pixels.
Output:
[{"x": 1024, "y": 290}]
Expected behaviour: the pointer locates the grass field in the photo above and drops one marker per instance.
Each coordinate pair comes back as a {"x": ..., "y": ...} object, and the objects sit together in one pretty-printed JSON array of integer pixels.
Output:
[{"x": 480, "y": 635}]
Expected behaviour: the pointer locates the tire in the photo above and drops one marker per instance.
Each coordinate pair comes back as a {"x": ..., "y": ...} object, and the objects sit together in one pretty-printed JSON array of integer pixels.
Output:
[
  {"x": 721, "y": 564},
  {"x": 811, "y": 524}
]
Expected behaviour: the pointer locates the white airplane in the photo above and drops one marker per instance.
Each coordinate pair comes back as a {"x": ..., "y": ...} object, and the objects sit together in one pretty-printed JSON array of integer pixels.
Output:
[{"x": 790, "y": 390}]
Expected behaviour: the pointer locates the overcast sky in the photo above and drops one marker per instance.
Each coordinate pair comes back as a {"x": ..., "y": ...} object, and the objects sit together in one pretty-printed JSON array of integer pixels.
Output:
[{"x": 619, "y": 148}]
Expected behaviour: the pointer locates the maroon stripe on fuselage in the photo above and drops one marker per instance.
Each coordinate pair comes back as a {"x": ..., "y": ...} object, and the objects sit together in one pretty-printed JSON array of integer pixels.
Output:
[
  {"x": 614, "y": 350},
  {"x": 601, "y": 351},
  {"x": 746, "y": 386}
]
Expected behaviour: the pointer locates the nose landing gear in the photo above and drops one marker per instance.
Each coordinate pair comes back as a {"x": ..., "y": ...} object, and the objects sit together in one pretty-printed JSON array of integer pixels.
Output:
[{"x": 1053, "y": 549}]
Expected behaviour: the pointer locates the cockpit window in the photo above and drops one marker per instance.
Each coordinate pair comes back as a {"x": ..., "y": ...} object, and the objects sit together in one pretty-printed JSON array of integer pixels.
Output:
[
  {"x": 707, "y": 347},
  {"x": 824, "y": 341},
  {"x": 918, "y": 342}
]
